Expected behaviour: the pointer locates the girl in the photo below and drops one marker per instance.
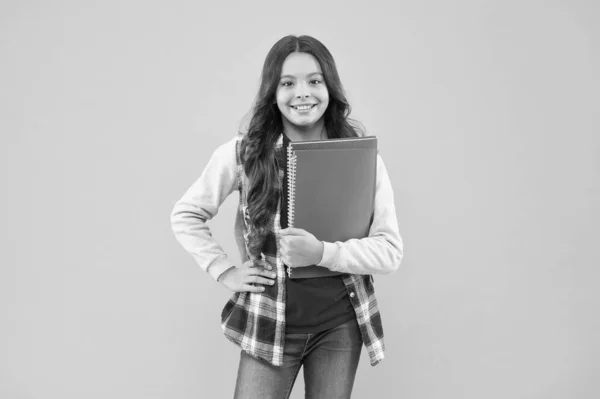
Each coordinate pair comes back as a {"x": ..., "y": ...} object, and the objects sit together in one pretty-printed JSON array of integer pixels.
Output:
[{"x": 282, "y": 324}]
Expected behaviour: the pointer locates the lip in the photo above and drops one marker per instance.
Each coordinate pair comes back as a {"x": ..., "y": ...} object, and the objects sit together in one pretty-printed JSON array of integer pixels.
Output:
[{"x": 300, "y": 105}]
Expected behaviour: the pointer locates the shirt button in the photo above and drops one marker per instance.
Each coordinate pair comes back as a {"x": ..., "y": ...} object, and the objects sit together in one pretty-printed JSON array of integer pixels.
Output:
[{"x": 352, "y": 295}]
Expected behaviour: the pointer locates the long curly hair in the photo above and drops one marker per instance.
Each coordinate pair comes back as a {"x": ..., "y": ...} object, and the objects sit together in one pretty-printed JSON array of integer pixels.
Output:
[{"x": 257, "y": 150}]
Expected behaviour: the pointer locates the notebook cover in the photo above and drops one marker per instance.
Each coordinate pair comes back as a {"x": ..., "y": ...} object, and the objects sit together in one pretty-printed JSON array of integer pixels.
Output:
[{"x": 334, "y": 193}]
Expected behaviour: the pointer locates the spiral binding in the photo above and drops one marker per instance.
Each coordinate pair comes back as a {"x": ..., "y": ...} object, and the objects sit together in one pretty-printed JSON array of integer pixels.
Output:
[
  {"x": 291, "y": 166},
  {"x": 291, "y": 184}
]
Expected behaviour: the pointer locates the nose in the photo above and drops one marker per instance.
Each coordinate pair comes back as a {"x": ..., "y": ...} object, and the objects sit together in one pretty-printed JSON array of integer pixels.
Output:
[{"x": 302, "y": 90}]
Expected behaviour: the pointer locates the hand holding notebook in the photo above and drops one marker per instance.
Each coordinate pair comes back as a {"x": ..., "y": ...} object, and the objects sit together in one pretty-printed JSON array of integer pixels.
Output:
[{"x": 301, "y": 248}]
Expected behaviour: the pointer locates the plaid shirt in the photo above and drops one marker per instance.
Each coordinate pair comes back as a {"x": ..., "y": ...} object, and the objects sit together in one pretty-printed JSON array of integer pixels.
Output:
[{"x": 256, "y": 321}]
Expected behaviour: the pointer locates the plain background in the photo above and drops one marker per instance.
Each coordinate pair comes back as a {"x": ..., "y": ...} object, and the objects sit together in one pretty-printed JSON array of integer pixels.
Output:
[{"x": 487, "y": 115}]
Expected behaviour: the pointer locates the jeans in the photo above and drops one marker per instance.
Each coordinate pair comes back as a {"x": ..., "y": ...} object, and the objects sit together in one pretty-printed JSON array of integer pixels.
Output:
[{"x": 330, "y": 359}]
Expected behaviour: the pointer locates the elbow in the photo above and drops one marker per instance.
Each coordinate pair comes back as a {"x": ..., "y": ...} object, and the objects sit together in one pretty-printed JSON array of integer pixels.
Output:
[
  {"x": 389, "y": 255},
  {"x": 175, "y": 218},
  {"x": 186, "y": 217},
  {"x": 397, "y": 253},
  {"x": 393, "y": 265},
  {"x": 397, "y": 261}
]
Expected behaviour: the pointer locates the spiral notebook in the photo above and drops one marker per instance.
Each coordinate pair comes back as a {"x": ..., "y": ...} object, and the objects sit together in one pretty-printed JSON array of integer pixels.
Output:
[{"x": 331, "y": 191}]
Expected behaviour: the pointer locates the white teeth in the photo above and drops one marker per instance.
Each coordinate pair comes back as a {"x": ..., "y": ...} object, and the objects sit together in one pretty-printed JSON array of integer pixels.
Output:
[{"x": 303, "y": 107}]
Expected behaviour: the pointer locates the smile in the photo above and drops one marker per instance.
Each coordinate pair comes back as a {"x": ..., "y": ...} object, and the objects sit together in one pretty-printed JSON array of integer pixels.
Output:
[{"x": 303, "y": 107}]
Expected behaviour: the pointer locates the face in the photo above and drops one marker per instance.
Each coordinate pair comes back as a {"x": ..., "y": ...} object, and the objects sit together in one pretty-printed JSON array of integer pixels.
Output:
[{"x": 302, "y": 96}]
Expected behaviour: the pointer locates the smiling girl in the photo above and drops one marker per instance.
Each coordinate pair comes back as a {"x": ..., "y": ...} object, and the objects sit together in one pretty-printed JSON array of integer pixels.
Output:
[{"x": 282, "y": 324}]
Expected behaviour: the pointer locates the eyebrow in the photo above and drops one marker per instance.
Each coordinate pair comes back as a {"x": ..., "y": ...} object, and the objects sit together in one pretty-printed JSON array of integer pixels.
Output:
[{"x": 293, "y": 77}]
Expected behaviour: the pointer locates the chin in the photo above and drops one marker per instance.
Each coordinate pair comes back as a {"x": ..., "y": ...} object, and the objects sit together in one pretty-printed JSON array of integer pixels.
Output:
[
  {"x": 304, "y": 122},
  {"x": 293, "y": 119}
]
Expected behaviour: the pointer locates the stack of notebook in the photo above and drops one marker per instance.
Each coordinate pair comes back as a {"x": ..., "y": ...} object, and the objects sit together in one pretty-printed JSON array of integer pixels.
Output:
[{"x": 331, "y": 191}]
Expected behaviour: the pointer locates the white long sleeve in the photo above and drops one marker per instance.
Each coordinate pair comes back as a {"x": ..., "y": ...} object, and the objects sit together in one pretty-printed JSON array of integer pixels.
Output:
[{"x": 201, "y": 203}]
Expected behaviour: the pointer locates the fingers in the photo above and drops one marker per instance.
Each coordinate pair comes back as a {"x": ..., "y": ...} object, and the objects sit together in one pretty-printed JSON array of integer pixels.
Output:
[
  {"x": 253, "y": 288},
  {"x": 257, "y": 278},
  {"x": 256, "y": 271},
  {"x": 254, "y": 278},
  {"x": 260, "y": 277},
  {"x": 256, "y": 284},
  {"x": 263, "y": 263},
  {"x": 261, "y": 280},
  {"x": 292, "y": 231}
]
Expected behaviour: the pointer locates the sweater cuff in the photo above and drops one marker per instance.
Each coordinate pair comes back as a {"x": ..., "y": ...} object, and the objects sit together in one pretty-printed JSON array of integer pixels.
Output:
[
  {"x": 217, "y": 268},
  {"x": 330, "y": 255}
]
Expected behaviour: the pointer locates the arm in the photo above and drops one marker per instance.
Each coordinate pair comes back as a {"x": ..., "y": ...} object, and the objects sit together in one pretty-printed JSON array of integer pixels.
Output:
[
  {"x": 201, "y": 203},
  {"x": 379, "y": 253}
]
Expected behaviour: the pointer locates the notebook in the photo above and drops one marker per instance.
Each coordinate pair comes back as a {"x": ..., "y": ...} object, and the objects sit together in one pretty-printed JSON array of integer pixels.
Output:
[{"x": 331, "y": 191}]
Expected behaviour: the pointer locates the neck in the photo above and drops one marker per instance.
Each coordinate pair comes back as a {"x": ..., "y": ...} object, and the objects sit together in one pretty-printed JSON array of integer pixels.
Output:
[{"x": 305, "y": 133}]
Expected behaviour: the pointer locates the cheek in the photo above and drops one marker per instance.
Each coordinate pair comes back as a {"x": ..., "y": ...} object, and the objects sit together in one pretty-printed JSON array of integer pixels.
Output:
[
  {"x": 325, "y": 103},
  {"x": 283, "y": 94},
  {"x": 324, "y": 96},
  {"x": 280, "y": 107},
  {"x": 282, "y": 100}
]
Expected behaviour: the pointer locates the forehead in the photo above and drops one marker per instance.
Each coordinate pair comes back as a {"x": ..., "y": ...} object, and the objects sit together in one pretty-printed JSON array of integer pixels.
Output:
[{"x": 300, "y": 64}]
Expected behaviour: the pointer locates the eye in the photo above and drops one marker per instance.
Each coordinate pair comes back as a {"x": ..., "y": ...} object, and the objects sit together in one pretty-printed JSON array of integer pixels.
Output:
[
  {"x": 285, "y": 84},
  {"x": 315, "y": 81}
]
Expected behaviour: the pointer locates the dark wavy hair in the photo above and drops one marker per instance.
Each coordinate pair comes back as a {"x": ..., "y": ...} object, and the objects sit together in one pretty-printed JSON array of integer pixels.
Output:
[{"x": 258, "y": 144}]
